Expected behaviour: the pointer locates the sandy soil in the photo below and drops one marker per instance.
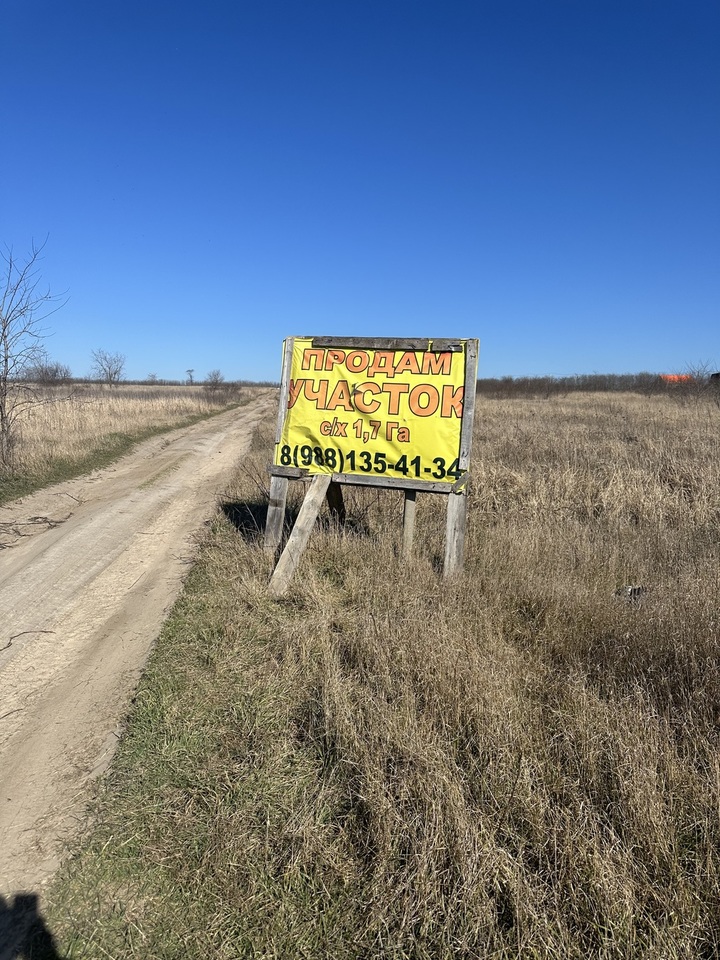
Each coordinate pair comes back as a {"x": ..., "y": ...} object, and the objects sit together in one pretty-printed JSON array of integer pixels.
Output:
[{"x": 88, "y": 572}]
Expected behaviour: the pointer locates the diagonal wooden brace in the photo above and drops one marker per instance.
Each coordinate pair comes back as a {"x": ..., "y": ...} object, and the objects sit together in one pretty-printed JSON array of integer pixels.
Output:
[{"x": 294, "y": 548}]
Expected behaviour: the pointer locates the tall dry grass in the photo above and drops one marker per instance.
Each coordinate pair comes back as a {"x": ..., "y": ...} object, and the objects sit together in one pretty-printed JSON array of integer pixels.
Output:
[
  {"x": 65, "y": 424},
  {"x": 519, "y": 762}
]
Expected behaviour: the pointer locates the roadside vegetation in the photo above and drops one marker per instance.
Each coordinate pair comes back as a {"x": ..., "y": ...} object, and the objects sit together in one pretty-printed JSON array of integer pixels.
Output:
[
  {"x": 73, "y": 427},
  {"x": 520, "y": 762}
]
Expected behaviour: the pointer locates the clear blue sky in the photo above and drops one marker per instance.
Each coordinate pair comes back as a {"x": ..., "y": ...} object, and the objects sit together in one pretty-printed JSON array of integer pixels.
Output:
[{"x": 213, "y": 177}]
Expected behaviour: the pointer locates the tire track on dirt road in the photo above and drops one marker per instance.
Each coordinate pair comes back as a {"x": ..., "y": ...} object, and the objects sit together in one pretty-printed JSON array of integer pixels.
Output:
[{"x": 89, "y": 572}]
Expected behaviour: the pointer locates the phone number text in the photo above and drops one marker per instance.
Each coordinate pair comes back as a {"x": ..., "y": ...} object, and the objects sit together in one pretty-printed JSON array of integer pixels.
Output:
[{"x": 362, "y": 461}]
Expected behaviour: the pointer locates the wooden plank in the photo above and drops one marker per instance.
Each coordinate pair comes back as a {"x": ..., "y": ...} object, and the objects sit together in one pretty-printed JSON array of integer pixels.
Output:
[
  {"x": 276, "y": 512},
  {"x": 358, "y": 480},
  {"x": 455, "y": 534},
  {"x": 295, "y": 547},
  {"x": 294, "y": 473},
  {"x": 461, "y": 482},
  {"x": 385, "y": 343},
  {"x": 284, "y": 387},
  {"x": 392, "y": 483},
  {"x": 336, "y": 502},
  {"x": 408, "y": 523}
]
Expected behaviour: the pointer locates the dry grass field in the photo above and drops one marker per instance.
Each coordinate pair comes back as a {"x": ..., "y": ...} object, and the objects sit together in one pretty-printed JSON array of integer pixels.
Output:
[
  {"x": 77, "y": 426},
  {"x": 520, "y": 762}
]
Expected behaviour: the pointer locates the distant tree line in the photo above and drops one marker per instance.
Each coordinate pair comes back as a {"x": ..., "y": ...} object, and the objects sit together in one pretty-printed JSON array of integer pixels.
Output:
[
  {"x": 52, "y": 372},
  {"x": 45, "y": 371},
  {"x": 692, "y": 383}
]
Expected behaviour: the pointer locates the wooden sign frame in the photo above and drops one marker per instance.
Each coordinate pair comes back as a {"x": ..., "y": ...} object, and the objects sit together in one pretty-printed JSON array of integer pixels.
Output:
[{"x": 329, "y": 485}]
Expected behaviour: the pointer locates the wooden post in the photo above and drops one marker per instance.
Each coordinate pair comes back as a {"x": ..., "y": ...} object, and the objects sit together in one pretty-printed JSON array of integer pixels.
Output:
[
  {"x": 336, "y": 502},
  {"x": 408, "y": 523},
  {"x": 471, "y": 357},
  {"x": 276, "y": 512},
  {"x": 457, "y": 500},
  {"x": 455, "y": 533},
  {"x": 279, "y": 485},
  {"x": 290, "y": 558}
]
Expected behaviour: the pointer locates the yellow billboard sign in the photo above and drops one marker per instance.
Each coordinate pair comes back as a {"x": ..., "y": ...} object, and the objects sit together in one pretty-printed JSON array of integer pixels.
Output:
[{"x": 391, "y": 410}]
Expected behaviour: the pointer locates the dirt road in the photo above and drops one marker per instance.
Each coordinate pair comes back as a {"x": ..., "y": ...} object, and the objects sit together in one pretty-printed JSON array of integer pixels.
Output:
[{"x": 88, "y": 572}]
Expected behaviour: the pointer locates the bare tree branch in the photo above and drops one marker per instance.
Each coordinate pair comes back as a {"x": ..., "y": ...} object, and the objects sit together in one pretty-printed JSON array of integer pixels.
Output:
[
  {"x": 108, "y": 366},
  {"x": 24, "y": 305}
]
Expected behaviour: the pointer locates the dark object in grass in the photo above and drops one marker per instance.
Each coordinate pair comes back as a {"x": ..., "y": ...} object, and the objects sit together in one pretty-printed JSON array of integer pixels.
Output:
[{"x": 632, "y": 593}]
